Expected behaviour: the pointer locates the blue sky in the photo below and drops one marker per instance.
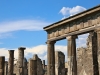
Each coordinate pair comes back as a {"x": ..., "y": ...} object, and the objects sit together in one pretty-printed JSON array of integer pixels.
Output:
[{"x": 22, "y": 22}]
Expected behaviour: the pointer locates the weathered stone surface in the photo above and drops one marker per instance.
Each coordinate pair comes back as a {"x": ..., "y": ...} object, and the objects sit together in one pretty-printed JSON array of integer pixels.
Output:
[
  {"x": 51, "y": 58},
  {"x": 72, "y": 63},
  {"x": 2, "y": 63},
  {"x": 25, "y": 67},
  {"x": 20, "y": 61},
  {"x": 32, "y": 67},
  {"x": 15, "y": 68},
  {"x": 43, "y": 63},
  {"x": 59, "y": 63},
  {"x": 39, "y": 65},
  {"x": 87, "y": 57},
  {"x": 11, "y": 62},
  {"x": 6, "y": 68}
]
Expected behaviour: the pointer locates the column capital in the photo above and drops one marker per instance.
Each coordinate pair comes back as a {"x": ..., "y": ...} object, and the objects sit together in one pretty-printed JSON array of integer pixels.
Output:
[
  {"x": 50, "y": 42},
  {"x": 21, "y": 48},
  {"x": 97, "y": 30},
  {"x": 71, "y": 37}
]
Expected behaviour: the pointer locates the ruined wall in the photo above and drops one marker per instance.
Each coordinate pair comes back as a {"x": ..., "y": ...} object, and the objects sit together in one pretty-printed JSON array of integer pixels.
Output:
[
  {"x": 59, "y": 63},
  {"x": 85, "y": 59},
  {"x": 39, "y": 65}
]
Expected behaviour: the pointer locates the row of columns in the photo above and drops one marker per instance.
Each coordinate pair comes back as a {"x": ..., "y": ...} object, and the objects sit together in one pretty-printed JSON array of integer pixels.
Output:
[
  {"x": 72, "y": 60},
  {"x": 11, "y": 62}
]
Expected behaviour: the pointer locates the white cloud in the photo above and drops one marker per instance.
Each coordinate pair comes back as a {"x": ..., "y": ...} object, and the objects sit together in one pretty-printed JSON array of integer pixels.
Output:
[
  {"x": 6, "y": 28},
  {"x": 33, "y": 25},
  {"x": 82, "y": 40},
  {"x": 67, "y": 11}
]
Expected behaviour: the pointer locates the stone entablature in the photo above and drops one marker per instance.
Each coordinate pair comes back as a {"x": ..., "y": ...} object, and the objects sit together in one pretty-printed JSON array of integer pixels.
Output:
[
  {"x": 84, "y": 22},
  {"x": 87, "y": 19}
]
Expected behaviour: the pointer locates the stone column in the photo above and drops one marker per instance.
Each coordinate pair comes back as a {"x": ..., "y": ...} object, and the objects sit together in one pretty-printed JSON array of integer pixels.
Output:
[
  {"x": 51, "y": 58},
  {"x": 6, "y": 68},
  {"x": 43, "y": 64},
  {"x": 93, "y": 46},
  {"x": 32, "y": 67},
  {"x": 98, "y": 48},
  {"x": 11, "y": 62},
  {"x": 2, "y": 64},
  {"x": 25, "y": 66},
  {"x": 20, "y": 60},
  {"x": 72, "y": 62}
]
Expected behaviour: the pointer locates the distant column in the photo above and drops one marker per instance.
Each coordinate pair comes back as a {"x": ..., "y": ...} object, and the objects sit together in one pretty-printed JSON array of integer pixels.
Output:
[
  {"x": 43, "y": 64},
  {"x": 2, "y": 64},
  {"x": 25, "y": 67},
  {"x": 11, "y": 62},
  {"x": 20, "y": 60},
  {"x": 72, "y": 62},
  {"x": 51, "y": 58},
  {"x": 6, "y": 68}
]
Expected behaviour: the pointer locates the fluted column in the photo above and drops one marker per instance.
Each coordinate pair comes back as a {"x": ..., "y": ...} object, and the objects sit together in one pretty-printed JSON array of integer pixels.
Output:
[
  {"x": 11, "y": 62},
  {"x": 72, "y": 62},
  {"x": 20, "y": 60},
  {"x": 50, "y": 58},
  {"x": 2, "y": 63}
]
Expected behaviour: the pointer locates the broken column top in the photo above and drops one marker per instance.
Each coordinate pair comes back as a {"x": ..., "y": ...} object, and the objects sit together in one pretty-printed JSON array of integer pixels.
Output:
[
  {"x": 59, "y": 52},
  {"x": 35, "y": 56},
  {"x": 21, "y": 48}
]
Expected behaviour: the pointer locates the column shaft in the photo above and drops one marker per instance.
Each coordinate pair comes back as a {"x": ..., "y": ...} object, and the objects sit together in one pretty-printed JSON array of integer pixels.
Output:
[
  {"x": 51, "y": 58},
  {"x": 2, "y": 63},
  {"x": 72, "y": 62},
  {"x": 93, "y": 37},
  {"x": 20, "y": 60},
  {"x": 11, "y": 62},
  {"x": 98, "y": 48}
]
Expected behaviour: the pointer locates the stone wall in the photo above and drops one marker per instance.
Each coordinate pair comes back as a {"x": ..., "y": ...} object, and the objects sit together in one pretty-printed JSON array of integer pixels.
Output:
[
  {"x": 59, "y": 63},
  {"x": 39, "y": 65},
  {"x": 85, "y": 59}
]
